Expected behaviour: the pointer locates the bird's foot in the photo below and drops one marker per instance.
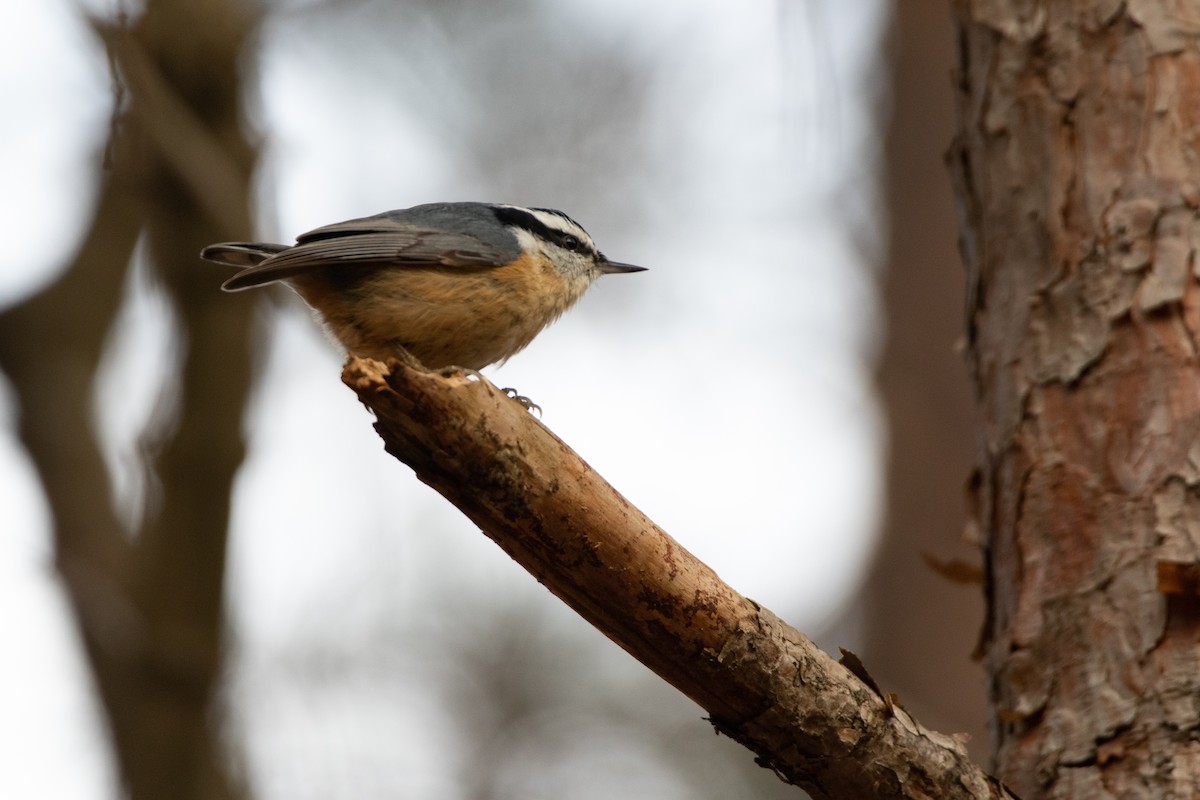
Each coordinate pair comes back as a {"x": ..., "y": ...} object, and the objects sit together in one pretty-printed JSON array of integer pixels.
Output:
[{"x": 526, "y": 403}]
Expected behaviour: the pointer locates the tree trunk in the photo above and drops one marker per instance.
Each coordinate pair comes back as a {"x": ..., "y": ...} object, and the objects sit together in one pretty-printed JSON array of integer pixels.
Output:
[{"x": 1076, "y": 165}]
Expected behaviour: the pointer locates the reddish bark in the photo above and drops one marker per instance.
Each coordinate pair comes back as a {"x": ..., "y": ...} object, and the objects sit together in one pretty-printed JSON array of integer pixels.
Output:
[{"x": 1076, "y": 165}]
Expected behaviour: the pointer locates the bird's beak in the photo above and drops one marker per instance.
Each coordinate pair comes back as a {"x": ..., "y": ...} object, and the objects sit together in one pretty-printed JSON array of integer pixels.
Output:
[{"x": 611, "y": 267}]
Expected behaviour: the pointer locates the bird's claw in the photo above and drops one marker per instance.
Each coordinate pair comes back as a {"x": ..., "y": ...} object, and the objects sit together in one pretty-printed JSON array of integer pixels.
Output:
[{"x": 526, "y": 403}]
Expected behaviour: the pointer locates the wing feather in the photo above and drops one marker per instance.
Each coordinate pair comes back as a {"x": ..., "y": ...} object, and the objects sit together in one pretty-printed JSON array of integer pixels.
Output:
[{"x": 353, "y": 243}]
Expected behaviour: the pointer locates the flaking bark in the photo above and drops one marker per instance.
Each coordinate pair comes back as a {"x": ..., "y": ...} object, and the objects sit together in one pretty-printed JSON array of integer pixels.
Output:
[{"x": 1077, "y": 165}]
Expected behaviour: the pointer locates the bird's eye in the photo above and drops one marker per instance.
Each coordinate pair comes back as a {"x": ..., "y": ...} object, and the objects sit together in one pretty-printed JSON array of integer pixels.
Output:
[{"x": 569, "y": 242}]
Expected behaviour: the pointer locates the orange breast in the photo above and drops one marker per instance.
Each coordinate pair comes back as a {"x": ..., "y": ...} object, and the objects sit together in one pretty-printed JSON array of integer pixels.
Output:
[{"x": 443, "y": 317}]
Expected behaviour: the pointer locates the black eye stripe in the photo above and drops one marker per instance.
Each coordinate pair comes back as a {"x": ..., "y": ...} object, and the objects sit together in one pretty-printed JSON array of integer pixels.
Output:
[{"x": 523, "y": 219}]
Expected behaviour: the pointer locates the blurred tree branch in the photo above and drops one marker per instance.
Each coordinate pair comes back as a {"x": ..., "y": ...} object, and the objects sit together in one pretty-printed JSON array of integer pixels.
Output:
[
  {"x": 810, "y": 719},
  {"x": 928, "y": 403},
  {"x": 149, "y": 602}
]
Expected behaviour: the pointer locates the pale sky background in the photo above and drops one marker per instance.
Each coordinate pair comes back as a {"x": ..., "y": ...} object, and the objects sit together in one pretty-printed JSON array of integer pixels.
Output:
[{"x": 726, "y": 392}]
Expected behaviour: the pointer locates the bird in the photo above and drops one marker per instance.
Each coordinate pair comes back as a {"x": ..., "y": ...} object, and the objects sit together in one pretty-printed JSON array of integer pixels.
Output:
[{"x": 462, "y": 284}]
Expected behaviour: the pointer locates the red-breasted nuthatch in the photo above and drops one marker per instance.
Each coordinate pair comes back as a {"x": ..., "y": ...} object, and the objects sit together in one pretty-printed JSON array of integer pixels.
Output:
[{"x": 454, "y": 284}]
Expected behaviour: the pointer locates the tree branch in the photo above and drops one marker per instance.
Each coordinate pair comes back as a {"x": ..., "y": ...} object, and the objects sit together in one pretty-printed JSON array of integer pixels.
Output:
[
  {"x": 763, "y": 683},
  {"x": 149, "y": 605}
]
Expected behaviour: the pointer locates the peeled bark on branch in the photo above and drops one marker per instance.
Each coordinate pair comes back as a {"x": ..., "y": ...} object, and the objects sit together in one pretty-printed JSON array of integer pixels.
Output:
[{"x": 763, "y": 683}]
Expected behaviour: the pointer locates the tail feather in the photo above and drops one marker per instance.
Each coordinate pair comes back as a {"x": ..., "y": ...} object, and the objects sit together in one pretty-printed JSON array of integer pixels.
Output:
[{"x": 241, "y": 254}]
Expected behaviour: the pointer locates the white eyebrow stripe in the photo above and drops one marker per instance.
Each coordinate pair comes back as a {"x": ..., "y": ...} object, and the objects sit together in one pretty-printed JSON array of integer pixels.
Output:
[{"x": 557, "y": 221}]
